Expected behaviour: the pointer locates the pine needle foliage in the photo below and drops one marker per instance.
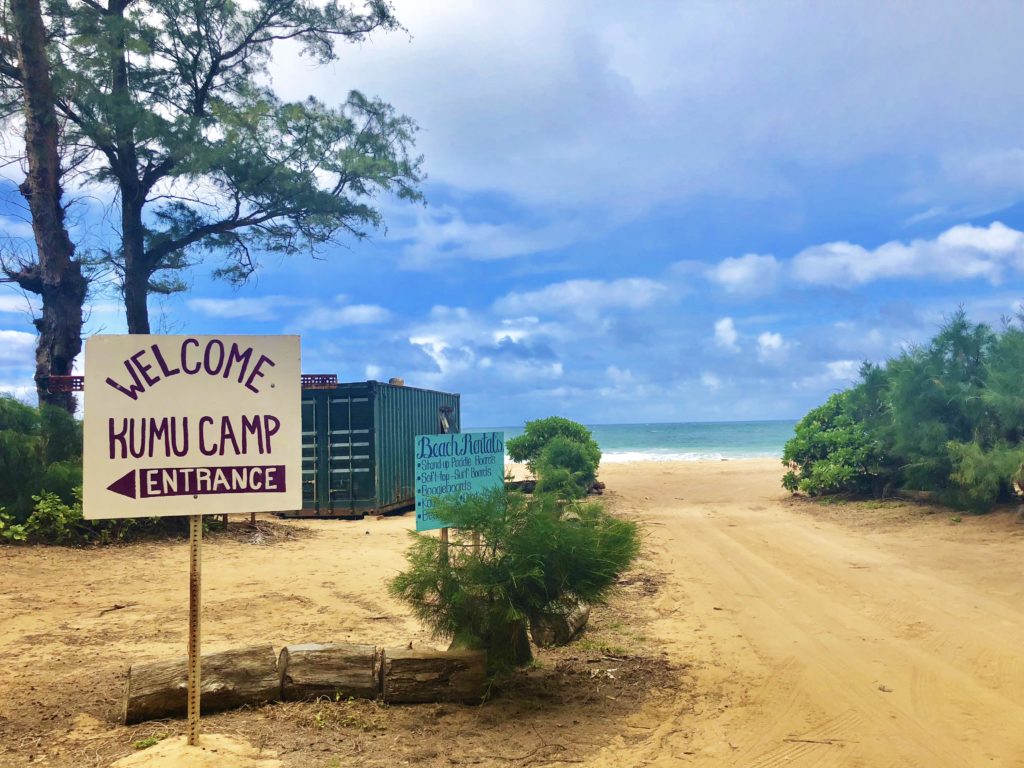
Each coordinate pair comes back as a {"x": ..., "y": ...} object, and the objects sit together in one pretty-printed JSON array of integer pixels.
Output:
[
  {"x": 565, "y": 467},
  {"x": 538, "y": 555},
  {"x": 945, "y": 417},
  {"x": 168, "y": 105}
]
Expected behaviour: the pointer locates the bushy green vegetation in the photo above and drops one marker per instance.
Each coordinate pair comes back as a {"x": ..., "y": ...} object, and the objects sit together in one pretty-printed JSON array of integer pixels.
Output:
[
  {"x": 946, "y": 417},
  {"x": 566, "y": 468},
  {"x": 41, "y": 482},
  {"x": 539, "y": 555},
  {"x": 40, "y": 452},
  {"x": 538, "y": 433},
  {"x": 561, "y": 453}
]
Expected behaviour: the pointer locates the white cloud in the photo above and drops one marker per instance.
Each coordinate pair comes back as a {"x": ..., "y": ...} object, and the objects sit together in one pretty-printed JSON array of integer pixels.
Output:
[
  {"x": 17, "y": 347},
  {"x": 25, "y": 392},
  {"x": 439, "y": 235},
  {"x": 264, "y": 308},
  {"x": 450, "y": 358},
  {"x": 584, "y": 297},
  {"x": 970, "y": 181},
  {"x": 326, "y": 318},
  {"x": 462, "y": 346},
  {"x": 748, "y": 275},
  {"x": 843, "y": 370},
  {"x": 726, "y": 335},
  {"x": 619, "y": 377},
  {"x": 16, "y": 304},
  {"x": 339, "y": 313},
  {"x": 530, "y": 370},
  {"x": 770, "y": 346},
  {"x": 837, "y": 373},
  {"x": 711, "y": 381},
  {"x": 689, "y": 98},
  {"x": 963, "y": 252},
  {"x": 15, "y": 228}
]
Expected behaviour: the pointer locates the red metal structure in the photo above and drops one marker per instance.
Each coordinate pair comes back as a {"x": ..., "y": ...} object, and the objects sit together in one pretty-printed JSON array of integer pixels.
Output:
[{"x": 77, "y": 383}]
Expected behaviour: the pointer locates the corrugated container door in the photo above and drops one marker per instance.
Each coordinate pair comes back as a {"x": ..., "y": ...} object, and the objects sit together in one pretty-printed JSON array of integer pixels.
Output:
[
  {"x": 350, "y": 426},
  {"x": 402, "y": 413},
  {"x": 362, "y": 450},
  {"x": 310, "y": 452}
]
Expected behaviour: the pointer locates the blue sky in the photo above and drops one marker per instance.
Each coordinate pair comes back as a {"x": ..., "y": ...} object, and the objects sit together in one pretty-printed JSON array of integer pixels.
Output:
[{"x": 683, "y": 211}]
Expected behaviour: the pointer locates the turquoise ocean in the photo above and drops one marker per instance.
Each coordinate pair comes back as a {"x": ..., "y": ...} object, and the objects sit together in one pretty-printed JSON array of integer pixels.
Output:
[{"x": 695, "y": 441}]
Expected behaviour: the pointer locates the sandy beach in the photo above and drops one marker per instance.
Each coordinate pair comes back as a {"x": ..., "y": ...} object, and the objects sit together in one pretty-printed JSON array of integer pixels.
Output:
[{"x": 756, "y": 631}]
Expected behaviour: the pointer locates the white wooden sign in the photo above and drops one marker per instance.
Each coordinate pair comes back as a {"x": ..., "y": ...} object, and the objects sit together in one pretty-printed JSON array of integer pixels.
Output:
[{"x": 191, "y": 425}]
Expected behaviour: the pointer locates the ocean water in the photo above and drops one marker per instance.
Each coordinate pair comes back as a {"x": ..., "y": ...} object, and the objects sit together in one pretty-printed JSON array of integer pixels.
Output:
[{"x": 695, "y": 441}]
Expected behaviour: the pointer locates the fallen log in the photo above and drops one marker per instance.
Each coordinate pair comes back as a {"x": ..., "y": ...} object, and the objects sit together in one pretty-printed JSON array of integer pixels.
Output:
[
  {"x": 311, "y": 670},
  {"x": 426, "y": 675},
  {"x": 229, "y": 679},
  {"x": 922, "y": 496},
  {"x": 559, "y": 628}
]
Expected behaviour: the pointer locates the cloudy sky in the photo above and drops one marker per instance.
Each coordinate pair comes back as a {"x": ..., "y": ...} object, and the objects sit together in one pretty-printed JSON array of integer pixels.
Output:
[{"x": 687, "y": 211}]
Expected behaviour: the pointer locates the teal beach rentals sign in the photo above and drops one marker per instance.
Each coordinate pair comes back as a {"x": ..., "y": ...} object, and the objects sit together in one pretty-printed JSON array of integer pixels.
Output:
[{"x": 457, "y": 465}]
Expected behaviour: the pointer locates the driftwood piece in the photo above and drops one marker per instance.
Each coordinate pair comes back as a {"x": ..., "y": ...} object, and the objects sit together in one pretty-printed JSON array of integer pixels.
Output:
[
  {"x": 523, "y": 486},
  {"x": 229, "y": 679},
  {"x": 923, "y": 496},
  {"x": 560, "y": 628},
  {"x": 310, "y": 670},
  {"x": 423, "y": 675}
]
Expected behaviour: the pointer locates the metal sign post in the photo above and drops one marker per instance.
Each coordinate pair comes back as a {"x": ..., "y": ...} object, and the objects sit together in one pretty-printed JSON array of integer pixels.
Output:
[
  {"x": 195, "y": 542},
  {"x": 444, "y": 546}
]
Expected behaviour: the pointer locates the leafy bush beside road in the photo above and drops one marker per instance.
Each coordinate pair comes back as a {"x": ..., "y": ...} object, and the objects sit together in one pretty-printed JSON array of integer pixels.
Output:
[
  {"x": 529, "y": 446},
  {"x": 946, "y": 417}
]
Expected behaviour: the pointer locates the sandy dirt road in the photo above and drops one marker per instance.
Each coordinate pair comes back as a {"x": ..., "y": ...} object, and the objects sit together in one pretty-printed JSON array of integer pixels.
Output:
[
  {"x": 826, "y": 638},
  {"x": 772, "y": 633}
]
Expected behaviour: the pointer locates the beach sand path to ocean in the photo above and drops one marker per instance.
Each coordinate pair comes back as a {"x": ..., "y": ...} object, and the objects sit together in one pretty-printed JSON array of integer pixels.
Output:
[{"x": 758, "y": 632}]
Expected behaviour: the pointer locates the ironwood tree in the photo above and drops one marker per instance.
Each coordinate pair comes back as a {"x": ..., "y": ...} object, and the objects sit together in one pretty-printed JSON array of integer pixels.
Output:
[
  {"x": 170, "y": 96},
  {"x": 538, "y": 556},
  {"x": 946, "y": 418},
  {"x": 54, "y": 274}
]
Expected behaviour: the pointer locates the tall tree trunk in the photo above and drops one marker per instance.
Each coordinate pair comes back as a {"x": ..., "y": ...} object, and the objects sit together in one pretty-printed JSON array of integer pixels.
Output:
[
  {"x": 136, "y": 269},
  {"x": 57, "y": 276},
  {"x": 133, "y": 194}
]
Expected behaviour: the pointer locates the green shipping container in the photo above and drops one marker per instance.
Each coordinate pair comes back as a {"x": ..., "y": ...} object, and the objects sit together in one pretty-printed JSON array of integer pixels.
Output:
[{"x": 358, "y": 445}]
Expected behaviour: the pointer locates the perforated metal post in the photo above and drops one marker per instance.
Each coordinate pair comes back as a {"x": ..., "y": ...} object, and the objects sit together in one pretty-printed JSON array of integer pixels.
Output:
[
  {"x": 444, "y": 546},
  {"x": 443, "y": 423},
  {"x": 195, "y": 535}
]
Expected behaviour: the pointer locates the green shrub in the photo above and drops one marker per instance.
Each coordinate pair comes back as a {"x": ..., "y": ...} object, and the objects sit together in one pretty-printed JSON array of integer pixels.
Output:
[
  {"x": 10, "y": 530},
  {"x": 40, "y": 451},
  {"x": 945, "y": 417},
  {"x": 41, "y": 478},
  {"x": 54, "y": 521},
  {"x": 831, "y": 452},
  {"x": 528, "y": 446},
  {"x": 565, "y": 468},
  {"x": 538, "y": 556},
  {"x": 980, "y": 478}
]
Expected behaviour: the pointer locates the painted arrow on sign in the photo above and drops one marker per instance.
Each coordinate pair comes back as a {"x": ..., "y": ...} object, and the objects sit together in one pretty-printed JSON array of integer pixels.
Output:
[{"x": 200, "y": 481}]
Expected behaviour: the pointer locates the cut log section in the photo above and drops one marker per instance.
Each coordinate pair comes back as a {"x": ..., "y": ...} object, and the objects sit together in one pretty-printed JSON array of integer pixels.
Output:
[
  {"x": 229, "y": 679},
  {"x": 311, "y": 670},
  {"x": 559, "y": 629},
  {"x": 425, "y": 675}
]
